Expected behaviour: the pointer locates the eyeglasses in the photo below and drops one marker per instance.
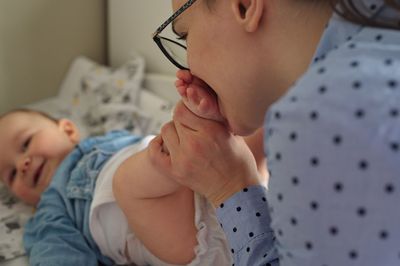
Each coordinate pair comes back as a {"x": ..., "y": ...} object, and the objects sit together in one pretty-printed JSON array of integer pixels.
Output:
[{"x": 173, "y": 50}]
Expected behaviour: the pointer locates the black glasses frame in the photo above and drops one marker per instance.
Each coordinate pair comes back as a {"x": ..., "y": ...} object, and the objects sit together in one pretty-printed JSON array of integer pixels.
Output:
[{"x": 158, "y": 39}]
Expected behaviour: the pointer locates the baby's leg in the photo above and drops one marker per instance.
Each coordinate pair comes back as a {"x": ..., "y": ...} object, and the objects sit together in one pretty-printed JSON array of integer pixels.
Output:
[
  {"x": 198, "y": 96},
  {"x": 159, "y": 211}
]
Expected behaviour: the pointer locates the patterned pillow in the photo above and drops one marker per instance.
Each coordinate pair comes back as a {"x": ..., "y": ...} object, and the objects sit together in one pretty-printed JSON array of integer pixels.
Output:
[
  {"x": 159, "y": 109},
  {"x": 107, "y": 99}
]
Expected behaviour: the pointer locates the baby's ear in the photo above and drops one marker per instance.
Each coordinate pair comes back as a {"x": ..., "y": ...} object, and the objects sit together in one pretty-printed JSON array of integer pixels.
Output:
[{"x": 69, "y": 128}]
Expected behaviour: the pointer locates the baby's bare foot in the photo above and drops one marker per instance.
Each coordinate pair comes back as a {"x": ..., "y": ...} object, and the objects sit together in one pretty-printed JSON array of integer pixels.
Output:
[
  {"x": 203, "y": 103},
  {"x": 198, "y": 96}
]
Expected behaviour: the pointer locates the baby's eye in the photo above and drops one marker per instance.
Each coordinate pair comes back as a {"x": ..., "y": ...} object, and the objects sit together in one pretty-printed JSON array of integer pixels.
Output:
[{"x": 26, "y": 143}]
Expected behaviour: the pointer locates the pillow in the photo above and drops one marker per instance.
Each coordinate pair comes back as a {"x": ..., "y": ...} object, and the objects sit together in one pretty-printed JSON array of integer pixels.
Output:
[
  {"x": 157, "y": 108},
  {"x": 89, "y": 86},
  {"x": 98, "y": 98},
  {"x": 107, "y": 99},
  {"x": 102, "y": 85},
  {"x": 72, "y": 81},
  {"x": 103, "y": 118}
]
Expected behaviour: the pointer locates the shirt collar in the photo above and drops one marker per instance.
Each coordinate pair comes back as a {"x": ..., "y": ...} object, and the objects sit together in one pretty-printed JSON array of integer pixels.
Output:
[{"x": 339, "y": 30}]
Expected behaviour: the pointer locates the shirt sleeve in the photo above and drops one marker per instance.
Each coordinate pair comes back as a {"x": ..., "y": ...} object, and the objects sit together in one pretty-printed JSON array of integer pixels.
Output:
[
  {"x": 50, "y": 237},
  {"x": 246, "y": 222}
]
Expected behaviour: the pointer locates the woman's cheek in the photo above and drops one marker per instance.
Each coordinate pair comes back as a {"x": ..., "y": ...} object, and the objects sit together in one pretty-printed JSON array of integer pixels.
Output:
[
  {"x": 198, "y": 57},
  {"x": 191, "y": 59}
]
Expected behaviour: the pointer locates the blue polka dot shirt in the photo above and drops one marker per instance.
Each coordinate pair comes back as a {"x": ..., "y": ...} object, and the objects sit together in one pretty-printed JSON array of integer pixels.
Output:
[{"x": 333, "y": 148}]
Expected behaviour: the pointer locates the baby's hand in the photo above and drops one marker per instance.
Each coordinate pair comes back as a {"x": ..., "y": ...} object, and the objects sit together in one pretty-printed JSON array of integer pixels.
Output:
[{"x": 197, "y": 96}]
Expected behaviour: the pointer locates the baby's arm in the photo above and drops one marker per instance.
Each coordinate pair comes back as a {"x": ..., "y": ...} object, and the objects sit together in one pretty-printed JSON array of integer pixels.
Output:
[
  {"x": 197, "y": 96},
  {"x": 51, "y": 237},
  {"x": 159, "y": 211}
]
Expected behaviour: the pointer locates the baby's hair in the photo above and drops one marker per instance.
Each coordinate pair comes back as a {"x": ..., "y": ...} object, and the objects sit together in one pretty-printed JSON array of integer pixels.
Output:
[{"x": 29, "y": 111}]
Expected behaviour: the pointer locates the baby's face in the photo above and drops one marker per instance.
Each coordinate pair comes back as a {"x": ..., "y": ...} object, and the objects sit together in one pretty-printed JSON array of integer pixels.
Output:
[{"x": 32, "y": 148}]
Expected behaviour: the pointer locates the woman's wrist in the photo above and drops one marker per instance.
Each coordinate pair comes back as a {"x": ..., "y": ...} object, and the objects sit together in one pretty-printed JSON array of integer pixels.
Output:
[{"x": 229, "y": 189}]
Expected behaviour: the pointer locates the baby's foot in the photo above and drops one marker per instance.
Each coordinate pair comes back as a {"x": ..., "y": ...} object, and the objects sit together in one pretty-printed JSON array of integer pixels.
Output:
[{"x": 198, "y": 96}]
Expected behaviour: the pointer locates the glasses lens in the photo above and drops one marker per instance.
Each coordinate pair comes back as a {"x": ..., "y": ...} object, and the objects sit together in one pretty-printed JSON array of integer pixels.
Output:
[{"x": 176, "y": 51}]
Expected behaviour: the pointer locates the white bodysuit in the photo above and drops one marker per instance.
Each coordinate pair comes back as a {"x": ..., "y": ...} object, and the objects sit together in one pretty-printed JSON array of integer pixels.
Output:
[{"x": 110, "y": 230}]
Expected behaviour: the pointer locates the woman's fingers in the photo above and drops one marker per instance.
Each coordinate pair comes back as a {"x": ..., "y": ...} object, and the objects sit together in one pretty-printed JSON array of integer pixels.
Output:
[
  {"x": 158, "y": 157},
  {"x": 208, "y": 160},
  {"x": 190, "y": 120},
  {"x": 163, "y": 161},
  {"x": 170, "y": 138}
]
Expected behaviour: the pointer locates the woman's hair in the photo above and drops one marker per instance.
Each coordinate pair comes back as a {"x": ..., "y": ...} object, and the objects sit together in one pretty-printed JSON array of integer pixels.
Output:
[
  {"x": 349, "y": 10},
  {"x": 25, "y": 110}
]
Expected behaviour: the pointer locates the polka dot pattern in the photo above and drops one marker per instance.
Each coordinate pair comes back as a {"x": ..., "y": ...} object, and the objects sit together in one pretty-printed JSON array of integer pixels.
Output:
[
  {"x": 253, "y": 203},
  {"x": 338, "y": 176},
  {"x": 333, "y": 147}
]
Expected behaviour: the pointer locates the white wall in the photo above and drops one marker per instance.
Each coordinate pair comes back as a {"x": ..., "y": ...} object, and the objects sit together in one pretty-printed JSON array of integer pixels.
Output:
[
  {"x": 38, "y": 41},
  {"x": 131, "y": 24}
]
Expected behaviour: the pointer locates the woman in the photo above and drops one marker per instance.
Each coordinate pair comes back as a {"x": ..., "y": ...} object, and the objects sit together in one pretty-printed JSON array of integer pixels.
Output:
[{"x": 331, "y": 69}]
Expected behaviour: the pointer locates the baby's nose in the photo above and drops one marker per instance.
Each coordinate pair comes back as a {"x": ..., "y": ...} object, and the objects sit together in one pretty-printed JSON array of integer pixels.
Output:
[{"x": 25, "y": 165}]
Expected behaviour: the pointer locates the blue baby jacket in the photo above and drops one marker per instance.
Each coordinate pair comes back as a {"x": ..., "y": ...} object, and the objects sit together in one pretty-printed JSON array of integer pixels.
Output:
[{"x": 58, "y": 233}]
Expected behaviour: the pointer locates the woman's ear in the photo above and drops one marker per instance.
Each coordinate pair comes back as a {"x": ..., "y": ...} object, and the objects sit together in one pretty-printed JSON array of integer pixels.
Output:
[
  {"x": 69, "y": 128},
  {"x": 248, "y": 13}
]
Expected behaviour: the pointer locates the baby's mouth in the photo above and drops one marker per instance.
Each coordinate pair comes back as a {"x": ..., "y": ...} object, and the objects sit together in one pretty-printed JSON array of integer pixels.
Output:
[{"x": 37, "y": 175}]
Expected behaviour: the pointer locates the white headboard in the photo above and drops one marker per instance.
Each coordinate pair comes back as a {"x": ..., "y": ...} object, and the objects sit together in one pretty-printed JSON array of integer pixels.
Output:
[{"x": 131, "y": 23}]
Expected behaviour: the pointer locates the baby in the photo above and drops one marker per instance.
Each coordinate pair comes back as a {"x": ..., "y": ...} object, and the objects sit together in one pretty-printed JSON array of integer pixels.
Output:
[
  {"x": 78, "y": 220},
  {"x": 82, "y": 189}
]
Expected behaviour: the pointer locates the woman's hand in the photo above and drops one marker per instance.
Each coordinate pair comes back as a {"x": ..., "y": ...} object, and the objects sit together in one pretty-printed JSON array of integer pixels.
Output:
[{"x": 203, "y": 156}]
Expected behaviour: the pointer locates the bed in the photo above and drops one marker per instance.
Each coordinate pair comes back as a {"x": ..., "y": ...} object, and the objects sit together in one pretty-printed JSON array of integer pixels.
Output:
[{"x": 98, "y": 99}]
